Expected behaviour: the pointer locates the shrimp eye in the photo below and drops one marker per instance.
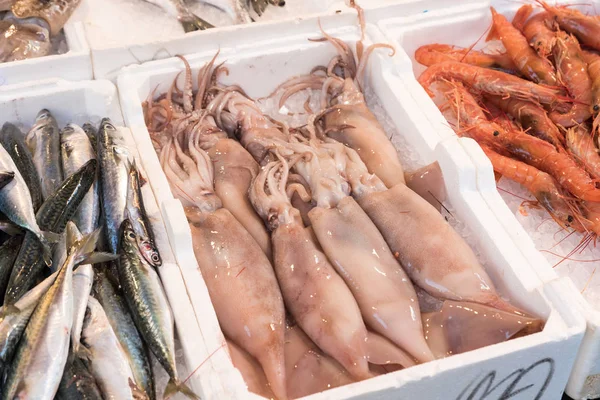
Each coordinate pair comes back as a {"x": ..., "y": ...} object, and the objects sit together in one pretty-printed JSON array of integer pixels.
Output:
[
  {"x": 496, "y": 133},
  {"x": 596, "y": 107},
  {"x": 570, "y": 218}
]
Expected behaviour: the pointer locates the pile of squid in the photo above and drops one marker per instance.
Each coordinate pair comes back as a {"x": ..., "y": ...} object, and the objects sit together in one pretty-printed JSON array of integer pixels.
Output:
[
  {"x": 32, "y": 28},
  {"x": 323, "y": 266},
  {"x": 77, "y": 323},
  {"x": 533, "y": 108}
]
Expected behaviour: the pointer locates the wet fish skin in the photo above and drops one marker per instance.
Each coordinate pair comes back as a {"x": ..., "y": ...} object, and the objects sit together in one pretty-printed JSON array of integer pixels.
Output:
[
  {"x": 16, "y": 204},
  {"x": 92, "y": 133},
  {"x": 122, "y": 323},
  {"x": 149, "y": 307},
  {"x": 178, "y": 9},
  {"x": 76, "y": 150},
  {"x": 6, "y": 177},
  {"x": 8, "y": 255},
  {"x": 44, "y": 141},
  {"x": 112, "y": 158},
  {"x": 23, "y": 40},
  {"x": 83, "y": 278},
  {"x": 136, "y": 213},
  {"x": 77, "y": 382},
  {"x": 55, "y": 12},
  {"x": 13, "y": 142},
  {"x": 53, "y": 216}
]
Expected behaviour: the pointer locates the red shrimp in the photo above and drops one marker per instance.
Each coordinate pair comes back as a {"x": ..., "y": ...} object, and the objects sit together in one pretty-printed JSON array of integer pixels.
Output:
[
  {"x": 540, "y": 184},
  {"x": 528, "y": 149},
  {"x": 496, "y": 114},
  {"x": 532, "y": 66},
  {"x": 435, "y": 53},
  {"x": 593, "y": 68},
  {"x": 532, "y": 118},
  {"x": 581, "y": 144},
  {"x": 574, "y": 74},
  {"x": 539, "y": 35},
  {"x": 521, "y": 17},
  {"x": 585, "y": 27},
  {"x": 492, "y": 82}
]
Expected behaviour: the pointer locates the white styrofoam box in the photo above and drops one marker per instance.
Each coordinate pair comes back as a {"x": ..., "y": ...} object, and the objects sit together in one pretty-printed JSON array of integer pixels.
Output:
[
  {"x": 463, "y": 25},
  {"x": 75, "y": 64},
  {"x": 538, "y": 363},
  {"x": 90, "y": 101}
]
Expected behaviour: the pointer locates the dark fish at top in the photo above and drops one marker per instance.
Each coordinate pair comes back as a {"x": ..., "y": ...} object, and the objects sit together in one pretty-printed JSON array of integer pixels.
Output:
[
  {"x": 136, "y": 212},
  {"x": 6, "y": 177},
  {"x": 44, "y": 142},
  {"x": 53, "y": 215},
  {"x": 12, "y": 140},
  {"x": 8, "y": 255},
  {"x": 149, "y": 307},
  {"x": 54, "y": 12}
]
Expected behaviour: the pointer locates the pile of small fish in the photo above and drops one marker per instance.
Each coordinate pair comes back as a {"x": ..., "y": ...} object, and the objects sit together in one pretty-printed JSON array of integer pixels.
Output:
[
  {"x": 240, "y": 11},
  {"x": 28, "y": 27},
  {"x": 323, "y": 266},
  {"x": 77, "y": 323},
  {"x": 534, "y": 108}
]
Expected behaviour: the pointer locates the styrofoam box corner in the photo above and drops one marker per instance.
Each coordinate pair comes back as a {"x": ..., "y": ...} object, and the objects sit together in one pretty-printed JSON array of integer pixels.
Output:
[
  {"x": 75, "y": 64},
  {"x": 272, "y": 60},
  {"x": 462, "y": 24}
]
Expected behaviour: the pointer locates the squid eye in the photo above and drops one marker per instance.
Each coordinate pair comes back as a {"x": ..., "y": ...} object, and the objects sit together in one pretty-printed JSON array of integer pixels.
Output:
[{"x": 130, "y": 235}]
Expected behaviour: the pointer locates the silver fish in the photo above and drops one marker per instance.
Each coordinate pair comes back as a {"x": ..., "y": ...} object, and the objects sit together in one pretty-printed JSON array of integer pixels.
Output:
[
  {"x": 41, "y": 356},
  {"x": 136, "y": 212},
  {"x": 83, "y": 278},
  {"x": 6, "y": 177},
  {"x": 149, "y": 306},
  {"x": 76, "y": 150},
  {"x": 15, "y": 203},
  {"x": 236, "y": 9},
  {"x": 178, "y": 9},
  {"x": 112, "y": 158},
  {"x": 109, "y": 363},
  {"x": 44, "y": 142}
]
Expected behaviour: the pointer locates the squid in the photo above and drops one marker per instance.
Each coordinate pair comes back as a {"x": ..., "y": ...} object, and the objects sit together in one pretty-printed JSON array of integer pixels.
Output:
[{"x": 240, "y": 279}]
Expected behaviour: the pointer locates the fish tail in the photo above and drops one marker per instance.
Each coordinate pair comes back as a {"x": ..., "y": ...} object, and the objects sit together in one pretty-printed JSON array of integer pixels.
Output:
[
  {"x": 175, "y": 386},
  {"x": 8, "y": 309},
  {"x": 46, "y": 239},
  {"x": 192, "y": 23},
  {"x": 82, "y": 352},
  {"x": 84, "y": 247}
]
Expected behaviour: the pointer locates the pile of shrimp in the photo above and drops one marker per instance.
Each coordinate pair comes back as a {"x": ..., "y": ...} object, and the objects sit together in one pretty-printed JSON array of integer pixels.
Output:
[
  {"x": 534, "y": 108},
  {"x": 323, "y": 266}
]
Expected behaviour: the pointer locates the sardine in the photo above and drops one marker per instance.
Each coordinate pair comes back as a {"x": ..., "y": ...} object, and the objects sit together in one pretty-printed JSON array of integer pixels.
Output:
[
  {"x": 77, "y": 382},
  {"x": 112, "y": 159},
  {"x": 92, "y": 133},
  {"x": 12, "y": 140},
  {"x": 53, "y": 215},
  {"x": 41, "y": 355},
  {"x": 149, "y": 307},
  {"x": 76, "y": 150},
  {"x": 108, "y": 359},
  {"x": 8, "y": 254},
  {"x": 6, "y": 177},
  {"x": 13, "y": 319},
  {"x": 136, "y": 212},
  {"x": 22, "y": 41},
  {"x": 83, "y": 278},
  {"x": 178, "y": 9},
  {"x": 124, "y": 327},
  {"x": 236, "y": 9},
  {"x": 15, "y": 203},
  {"x": 44, "y": 141},
  {"x": 55, "y": 12}
]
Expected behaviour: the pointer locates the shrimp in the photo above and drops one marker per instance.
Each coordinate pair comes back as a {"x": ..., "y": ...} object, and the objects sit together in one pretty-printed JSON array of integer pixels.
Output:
[
  {"x": 540, "y": 184},
  {"x": 528, "y": 149},
  {"x": 539, "y": 35},
  {"x": 593, "y": 68},
  {"x": 521, "y": 17},
  {"x": 581, "y": 144},
  {"x": 498, "y": 115},
  {"x": 574, "y": 74},
  {"x": 529, "y": 64},
  {"x": 491, "y": 82},
  {"x": 435, "y": 53},
  {"x": 532, "y": 118},
  {"x": 586, "y": 28}
]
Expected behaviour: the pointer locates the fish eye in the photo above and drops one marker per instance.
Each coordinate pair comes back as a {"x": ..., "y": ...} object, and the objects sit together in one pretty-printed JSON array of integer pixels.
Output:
[{"x": 155, "y": 258}]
